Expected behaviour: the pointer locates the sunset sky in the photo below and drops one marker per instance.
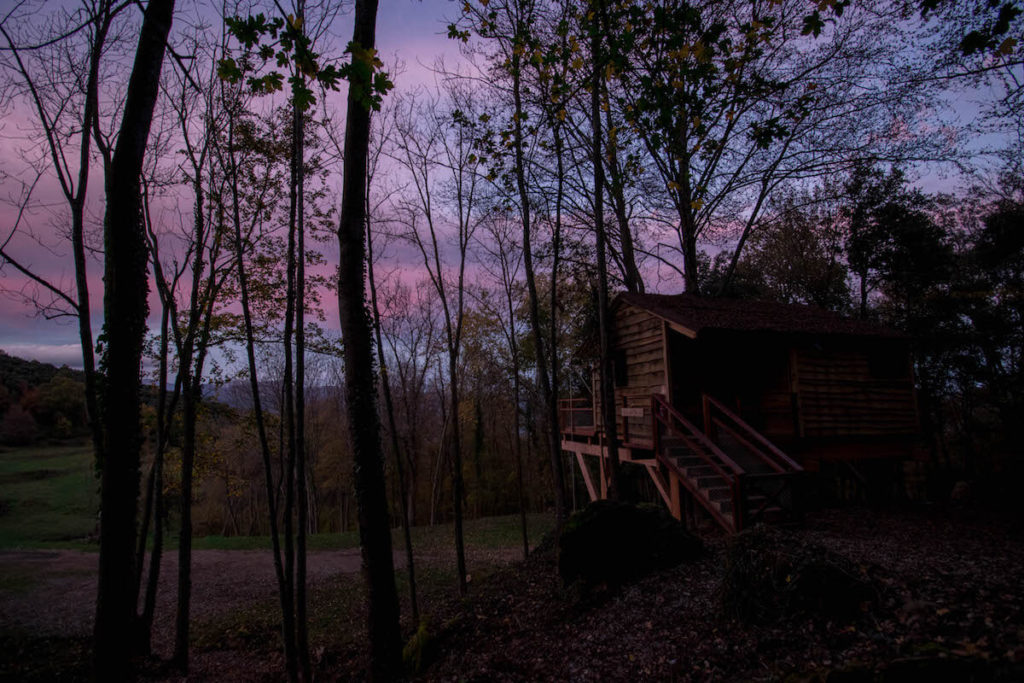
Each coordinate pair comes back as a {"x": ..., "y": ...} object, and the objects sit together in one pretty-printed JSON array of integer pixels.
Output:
[{"x": 412, "y": 31}]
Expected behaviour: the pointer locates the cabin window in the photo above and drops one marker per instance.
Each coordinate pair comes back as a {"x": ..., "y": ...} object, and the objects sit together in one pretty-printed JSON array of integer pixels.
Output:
[
  {"x": 619, "y": 361},
  {"x": 887, "y": 364}
]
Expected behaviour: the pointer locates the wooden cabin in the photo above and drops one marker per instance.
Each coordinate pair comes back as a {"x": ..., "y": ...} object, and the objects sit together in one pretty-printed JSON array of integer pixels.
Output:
[{"x": 726, "y": 402}]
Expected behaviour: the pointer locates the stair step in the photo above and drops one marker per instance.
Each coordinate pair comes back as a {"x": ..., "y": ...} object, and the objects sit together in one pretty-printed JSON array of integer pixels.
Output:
[
  {"x": 711, "y": 481},
  {"x": 717, "y": 493},
  {"x": 695, "y": 471},
  {"x": 753, "y": 503},
  {"x": 688, "y": 460}
]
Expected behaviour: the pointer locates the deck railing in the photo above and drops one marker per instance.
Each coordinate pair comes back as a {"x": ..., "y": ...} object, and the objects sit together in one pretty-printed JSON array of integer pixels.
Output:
[{"x": 576, "y": 416}]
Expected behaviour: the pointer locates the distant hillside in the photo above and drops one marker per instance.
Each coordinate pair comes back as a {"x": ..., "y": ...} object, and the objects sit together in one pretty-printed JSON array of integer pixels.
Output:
[
  {"x": 18, "y": 374},
  {"x": 39, "y": 400}
]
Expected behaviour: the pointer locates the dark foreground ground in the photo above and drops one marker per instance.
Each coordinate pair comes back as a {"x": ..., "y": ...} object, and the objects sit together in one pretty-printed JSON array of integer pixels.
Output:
[{"x": 949, "y": 605}]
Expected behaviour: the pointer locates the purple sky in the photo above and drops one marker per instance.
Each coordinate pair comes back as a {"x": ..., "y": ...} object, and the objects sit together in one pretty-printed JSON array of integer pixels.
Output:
[{"x": 413, "y": 31}]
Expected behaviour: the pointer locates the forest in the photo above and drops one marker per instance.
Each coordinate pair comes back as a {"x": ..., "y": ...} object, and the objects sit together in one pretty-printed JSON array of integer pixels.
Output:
[{"x": 319, "y": 288}]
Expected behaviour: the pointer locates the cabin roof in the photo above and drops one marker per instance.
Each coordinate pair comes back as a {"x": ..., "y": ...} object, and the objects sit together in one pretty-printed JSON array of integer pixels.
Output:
[{"x": 692, "y": 315}]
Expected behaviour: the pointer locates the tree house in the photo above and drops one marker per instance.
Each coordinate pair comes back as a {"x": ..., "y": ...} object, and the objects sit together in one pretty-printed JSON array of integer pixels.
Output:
[{"x": 727, "y": 402}]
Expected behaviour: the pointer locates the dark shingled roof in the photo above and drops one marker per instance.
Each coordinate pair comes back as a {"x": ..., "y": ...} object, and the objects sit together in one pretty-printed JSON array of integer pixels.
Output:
[{"x": 701, "y": 314}]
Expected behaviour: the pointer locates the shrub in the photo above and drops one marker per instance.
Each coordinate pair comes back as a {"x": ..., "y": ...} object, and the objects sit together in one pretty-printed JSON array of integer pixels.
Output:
[
  {"x": 771, "y": 574},
  {"x": 18, "y": 427},
  {"x": 610, "y": 543}
]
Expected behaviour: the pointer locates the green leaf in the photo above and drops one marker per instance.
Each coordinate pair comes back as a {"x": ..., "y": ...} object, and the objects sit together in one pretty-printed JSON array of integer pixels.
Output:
[
  {"x": 813, "y": 24},
  {"x": 227, "y": 70}
]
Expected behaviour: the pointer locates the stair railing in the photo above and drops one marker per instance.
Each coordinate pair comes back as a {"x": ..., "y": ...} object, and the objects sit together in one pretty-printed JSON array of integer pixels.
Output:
[
  {"x": 663, "y": 415},
  {"x": 717, "y": 416},
  {"x": 777, "y": 488}
]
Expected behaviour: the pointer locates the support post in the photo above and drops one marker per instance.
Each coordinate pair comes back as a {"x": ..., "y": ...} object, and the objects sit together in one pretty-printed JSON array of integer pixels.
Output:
[
  {"x": 675, "y": 499},
  {"x": 587, "y": 479}
]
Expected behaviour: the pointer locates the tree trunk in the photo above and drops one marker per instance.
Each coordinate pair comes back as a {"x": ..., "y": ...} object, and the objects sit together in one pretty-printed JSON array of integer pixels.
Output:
[
  {"x": 287, "y": 448},
  {"x": 156, "y": 555},
  {"x": 188, "y": 454},
  {"x": 364, "y": 426},
  {"x": 617, "y": 194},
  {"x": 403, "y": 483},
  {"x": 287, "y": 612},
  {"x": 550, "y": 398},
  {"x": 607, "y": 370},
  {"x": 302, "y": 502},
  {"x": 126, "y": 286}
]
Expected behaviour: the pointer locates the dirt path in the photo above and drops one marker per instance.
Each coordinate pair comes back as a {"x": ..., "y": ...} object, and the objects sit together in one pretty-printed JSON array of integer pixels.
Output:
[{"x": 50, "y": 592}]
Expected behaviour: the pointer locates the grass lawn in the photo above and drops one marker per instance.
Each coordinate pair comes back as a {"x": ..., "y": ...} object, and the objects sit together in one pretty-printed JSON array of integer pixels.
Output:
[
  {"x": 48, "y": 497},
  {"x": 487, "y": 532}
]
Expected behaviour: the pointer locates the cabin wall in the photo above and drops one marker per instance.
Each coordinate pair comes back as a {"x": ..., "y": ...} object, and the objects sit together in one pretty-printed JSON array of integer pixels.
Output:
[
  {"x": 748, "y": 373},
  {"x": 865, "y": 391},
  {"x": 818, "y": 397},
  {"x": 640, "y": 370}
]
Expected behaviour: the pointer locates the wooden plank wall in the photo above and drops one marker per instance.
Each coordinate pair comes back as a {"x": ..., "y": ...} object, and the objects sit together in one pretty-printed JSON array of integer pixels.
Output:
[
  {"x": 777, "y": 414},
  {"x": 640, "y": 337},
  {"x": 839, "y": 396}
]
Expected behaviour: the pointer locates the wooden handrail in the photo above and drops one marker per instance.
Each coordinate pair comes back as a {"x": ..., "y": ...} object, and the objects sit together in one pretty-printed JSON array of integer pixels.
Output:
[
  {"x": 664, "y": 412},
  {"x": 568, "y": 402},
  {"x": 570, "y": 412},
  {"x": 780, "y": 463},
  {"x": 719, "y": 424}
]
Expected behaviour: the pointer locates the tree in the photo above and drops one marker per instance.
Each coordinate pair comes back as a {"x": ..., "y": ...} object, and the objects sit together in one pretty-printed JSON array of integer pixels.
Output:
[
  {"x": 732, "y": 102},
  {"x": 598, "y": 27},
  {"x": 406, "y": 484},
  {"x": 204, "y": 267},
  {"x": 508, "y": 27},
  {"x": 67, "y": 116},
  {"x": 291, "y": 46},
  {"x": 364, "y": 423},
  {"x": 125, "y": 288},
  {"x": 432, "y": 140},
  {"x": 235, "y": 179},
  {"x": 890, "y": 237},
  {"x": 505, "y": 261},
  {"x": 797, "y": 256}
]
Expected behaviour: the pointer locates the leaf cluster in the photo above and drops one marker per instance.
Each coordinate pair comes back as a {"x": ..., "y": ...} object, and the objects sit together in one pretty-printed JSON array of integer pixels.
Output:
[{"x": 283, "y": 43}]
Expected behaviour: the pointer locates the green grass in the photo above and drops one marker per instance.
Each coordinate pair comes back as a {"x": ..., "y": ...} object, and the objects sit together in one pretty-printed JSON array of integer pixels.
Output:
[
  {"x": 48, "y": 497},
  {"x": 487, "y": 532}
]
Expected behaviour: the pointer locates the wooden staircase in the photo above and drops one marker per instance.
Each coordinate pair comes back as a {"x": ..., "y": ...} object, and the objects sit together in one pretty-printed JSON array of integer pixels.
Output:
[{"x": 728, "y": 468}]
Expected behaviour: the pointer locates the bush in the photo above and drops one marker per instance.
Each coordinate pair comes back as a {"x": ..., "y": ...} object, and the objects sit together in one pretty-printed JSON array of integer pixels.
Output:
[
  {"x": 770, "y": 575},
  {"x": 610, "y": 543},
  {"x": 18, "y": 427}
]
